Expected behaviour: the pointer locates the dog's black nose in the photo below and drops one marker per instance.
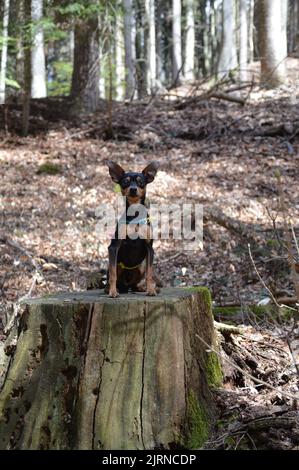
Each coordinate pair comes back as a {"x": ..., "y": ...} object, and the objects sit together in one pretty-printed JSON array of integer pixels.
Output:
[{"x": 133, "y": 191}]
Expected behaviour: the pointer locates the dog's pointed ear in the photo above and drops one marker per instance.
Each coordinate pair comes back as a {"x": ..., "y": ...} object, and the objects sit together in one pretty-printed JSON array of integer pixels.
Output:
[
  {"x": 150, "y": 171},
  {"x": 116, "y": 171}
]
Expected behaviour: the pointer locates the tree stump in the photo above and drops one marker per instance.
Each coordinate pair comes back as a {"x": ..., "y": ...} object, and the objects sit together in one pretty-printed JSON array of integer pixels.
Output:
[{"x": 90, "y": 372}]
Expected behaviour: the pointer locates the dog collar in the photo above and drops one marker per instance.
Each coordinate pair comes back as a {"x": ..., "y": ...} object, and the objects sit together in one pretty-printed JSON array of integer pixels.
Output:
[{"x": 123, "y": 266}]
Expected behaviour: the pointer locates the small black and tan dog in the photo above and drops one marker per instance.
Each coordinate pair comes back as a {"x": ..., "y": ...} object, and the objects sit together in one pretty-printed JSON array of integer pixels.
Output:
[{"x": 133, "y": 244}]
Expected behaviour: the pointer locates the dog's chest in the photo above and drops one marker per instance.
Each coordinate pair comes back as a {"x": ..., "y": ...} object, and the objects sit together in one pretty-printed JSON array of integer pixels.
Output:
[
  {"x": 134, "y": 231},
  {"x": 132, "y": 251}
]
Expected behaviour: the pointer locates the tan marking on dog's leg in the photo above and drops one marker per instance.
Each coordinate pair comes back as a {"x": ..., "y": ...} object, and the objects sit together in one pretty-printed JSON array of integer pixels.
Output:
[
  {"x": 113, "y": 271},
  {"x": 150, "y": 284}
]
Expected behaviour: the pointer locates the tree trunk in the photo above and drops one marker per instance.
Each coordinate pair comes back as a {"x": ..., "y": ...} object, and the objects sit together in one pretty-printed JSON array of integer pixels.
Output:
[
  {"x": 293, "y": 25},
  {"x": 38, "y": 62},
  {"x": 273, "y": 41},
  {"x": 104, "y": 40},
  {"x": 160, "y": 54},
  {"x": 201, "y": 39},
  {"x": 102, "y": 80},
  {"x": 90, "y": 372},
  {"x": 251, "y": 31},
  {"x": 119, "y": 45},
  {"x": 19, "y": 19},
  {"x": 27, "y": 71},
  {"x": 243, "y": 39},
  {"x": 85, "y": 78},
  {"x": 214, "y": 35},
  {"x": 228, "y": 53},
  {"x": 151, "y": 45},
  {"x": 141, "y": 59},
  {"x": 207, "y": 39},
  {"x": 176, "y": 41},
  {"x": 189, "y": 41},
  {"x": 130, "y": 52},
  {"x": 4, "y": 51}
]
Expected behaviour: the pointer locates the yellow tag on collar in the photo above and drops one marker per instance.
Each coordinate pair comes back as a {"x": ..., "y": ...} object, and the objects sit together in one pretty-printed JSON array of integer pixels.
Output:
[{"x": 116, "y": 188}]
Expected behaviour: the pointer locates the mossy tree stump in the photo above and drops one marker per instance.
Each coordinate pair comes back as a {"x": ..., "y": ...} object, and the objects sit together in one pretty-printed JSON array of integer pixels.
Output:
[{"x": 90, "y": 372}]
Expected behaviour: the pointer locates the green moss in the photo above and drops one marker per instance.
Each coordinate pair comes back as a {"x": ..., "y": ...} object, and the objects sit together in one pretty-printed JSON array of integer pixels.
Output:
[
  {"x": 213, "y": 366},
  {"x": 213, "y": 370},
  {"x": 198, "y": 423},
  {"x": 204, "y": 291},
  {"x": 260, "y": 311},
  {"x": 48, "y": 168},
  {"x": 205, "y": 295},
  {"x": 226, "y": 310},
  {"x": 273, "y": 243}
]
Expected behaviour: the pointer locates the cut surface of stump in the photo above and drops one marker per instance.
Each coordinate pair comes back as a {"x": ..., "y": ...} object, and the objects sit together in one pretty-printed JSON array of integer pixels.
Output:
[{"x": 91, "y": 372}]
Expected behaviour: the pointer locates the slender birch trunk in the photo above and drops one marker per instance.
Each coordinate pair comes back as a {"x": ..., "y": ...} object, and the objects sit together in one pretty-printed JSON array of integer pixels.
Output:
[
  {"x": 27, "y": 71},
  {"x": 176, "y": 40},
  {"x": 141, "y": 51},
  {"x": 228, "y": 53},
  {"x": 190, "y": 41},
  {"x": 130, "y": 51},
  {"x": 38, "y": 61},
  {"x": 251, "y": 31},
  {"x": 243, "y": 39},
  {"x": 102, "y": 81},
  {"x": 119, "y": 46},
  {"x": 4, "y": 51},
  {"x": 159, "y": 44},
  {"x": 151, "y": 45}
]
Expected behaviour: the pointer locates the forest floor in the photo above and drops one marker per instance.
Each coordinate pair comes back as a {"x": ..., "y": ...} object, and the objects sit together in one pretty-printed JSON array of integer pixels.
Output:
[{"x": 211, "y": 151}]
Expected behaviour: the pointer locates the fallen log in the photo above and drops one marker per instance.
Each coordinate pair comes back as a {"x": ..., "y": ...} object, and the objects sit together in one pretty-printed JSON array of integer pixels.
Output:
[
  {"x": 288, "y": 300},
  {"x": 225, "y": 96},
  {"x": 90, "y": 372}
]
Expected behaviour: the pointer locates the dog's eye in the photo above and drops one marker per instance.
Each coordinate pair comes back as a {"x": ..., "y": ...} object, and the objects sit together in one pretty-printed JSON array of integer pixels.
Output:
[
  {"x": 125, "y": 182},
  {"x": 140, "y": 182}
]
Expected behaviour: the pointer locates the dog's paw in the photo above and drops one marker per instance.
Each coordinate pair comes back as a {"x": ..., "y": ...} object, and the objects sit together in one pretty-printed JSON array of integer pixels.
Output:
[
  {"x": 152, "y": 291},
  {"x": 113, "y": 294}
]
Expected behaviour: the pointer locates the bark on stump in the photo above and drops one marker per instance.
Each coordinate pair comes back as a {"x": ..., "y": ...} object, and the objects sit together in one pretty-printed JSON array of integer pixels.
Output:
[{"x": 90, "y": 372}]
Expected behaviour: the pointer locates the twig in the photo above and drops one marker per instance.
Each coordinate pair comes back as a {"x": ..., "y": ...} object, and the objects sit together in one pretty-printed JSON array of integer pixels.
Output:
[
  {"x": 17, "y": 305},
  {"x": 38, "y": 274},
  {"x": 2, "y": 285},
  {"x": 288, "y": 238},
  {"x": 295, "y": 239},
  {"x": 293, "y": 355},
  {"x": 259, "y": 423},
  {"x": 264, "y": 284},
  {"x": 176, "y": 255},
  {"x": 25, "y": 252},
  {"x": 83, "y": 132},
  {"x": 247, "y": 374}
]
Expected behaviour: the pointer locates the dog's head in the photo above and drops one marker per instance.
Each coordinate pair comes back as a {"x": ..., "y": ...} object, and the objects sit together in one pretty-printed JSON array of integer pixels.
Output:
[{"x": 132, "y": 184}]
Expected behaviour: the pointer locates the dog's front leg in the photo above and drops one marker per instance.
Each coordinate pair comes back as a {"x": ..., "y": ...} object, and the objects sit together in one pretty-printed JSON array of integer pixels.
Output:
[
  {"x": 113, "y": 250},
  {"x": 150, "y": 284}
]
